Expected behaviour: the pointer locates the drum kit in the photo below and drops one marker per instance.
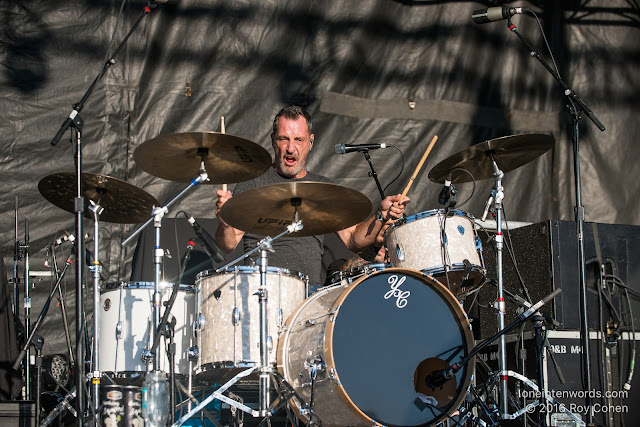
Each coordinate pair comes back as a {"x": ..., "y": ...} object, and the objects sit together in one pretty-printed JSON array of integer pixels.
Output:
[{"x": 361, "y": 351}]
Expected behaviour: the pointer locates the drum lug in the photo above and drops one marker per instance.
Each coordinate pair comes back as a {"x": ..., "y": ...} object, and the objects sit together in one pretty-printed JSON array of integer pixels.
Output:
[
  {"x": 280, "y": 318},
  {"x": 334, "y": 376},
  {"x": 146, "y": 356},
  {"x": 235, "y": 317},
  {"x": 119, "y": 329},
  {"x": 198, "y": 324},
  {"x": 269, "y": 343},
  {"x": 399, "y": 253},
  {"x": 193, "y": 353}
]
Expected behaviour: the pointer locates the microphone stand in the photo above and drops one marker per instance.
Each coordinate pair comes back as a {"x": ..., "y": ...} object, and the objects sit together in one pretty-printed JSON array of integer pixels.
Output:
[
  {"x": 43, "y": 313},
  {"x": 373, "y": 172},
  {"x": 75, "y": 120},
  {"x": 440, "y": 377},
  {"x": 576, "y": 106}
]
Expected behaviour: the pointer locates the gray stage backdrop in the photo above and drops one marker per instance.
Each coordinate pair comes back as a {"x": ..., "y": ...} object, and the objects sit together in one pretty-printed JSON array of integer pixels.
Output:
[{"x": 373, "y": 71}]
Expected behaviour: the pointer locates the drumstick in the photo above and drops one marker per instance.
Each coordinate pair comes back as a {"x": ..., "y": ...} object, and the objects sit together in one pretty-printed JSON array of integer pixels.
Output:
[
  {"x": 222, "y": 131},
  {"x": 415, "y": 172}
]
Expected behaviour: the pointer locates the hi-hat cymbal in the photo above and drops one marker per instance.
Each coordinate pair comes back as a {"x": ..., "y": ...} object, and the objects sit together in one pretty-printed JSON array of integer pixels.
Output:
[
  {"x": 509, "y": 152},
  {"x": 122, "y": 202},
  {"x": 322, "y": 207},
  {"x": 227, "y": 158}
]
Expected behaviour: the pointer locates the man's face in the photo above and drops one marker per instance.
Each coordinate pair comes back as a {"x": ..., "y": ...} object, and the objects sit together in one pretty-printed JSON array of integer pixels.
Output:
[{"x": 291, "y": 144}]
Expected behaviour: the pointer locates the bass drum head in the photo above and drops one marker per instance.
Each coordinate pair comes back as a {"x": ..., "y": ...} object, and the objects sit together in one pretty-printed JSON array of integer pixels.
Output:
[{"x": 391, "y": 330}]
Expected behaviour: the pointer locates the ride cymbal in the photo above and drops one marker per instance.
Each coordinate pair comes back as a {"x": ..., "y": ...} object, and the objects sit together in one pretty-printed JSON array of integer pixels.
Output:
[
  {"x": 322, "y": 207},
  {"x": 509, "y": 152},
  {"x": 122, "y": 202},
  {"x": 227, "y": 158}
]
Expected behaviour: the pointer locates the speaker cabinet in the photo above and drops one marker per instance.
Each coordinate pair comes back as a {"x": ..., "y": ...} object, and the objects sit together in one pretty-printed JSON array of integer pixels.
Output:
[{"x": 546, "y": 256}]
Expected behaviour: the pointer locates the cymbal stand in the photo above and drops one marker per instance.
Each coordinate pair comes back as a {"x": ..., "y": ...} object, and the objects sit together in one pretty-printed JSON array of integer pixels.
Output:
[
  {"x": 156, "y": 217},
  {"x": 96, "y": 268},
  {"x": 497, "y": 194},
  {"x": 575, "y": 106}
]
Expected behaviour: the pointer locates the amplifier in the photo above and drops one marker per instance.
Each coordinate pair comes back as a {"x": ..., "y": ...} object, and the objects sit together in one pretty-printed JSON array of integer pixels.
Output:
[{"x": 547, "y": 258}]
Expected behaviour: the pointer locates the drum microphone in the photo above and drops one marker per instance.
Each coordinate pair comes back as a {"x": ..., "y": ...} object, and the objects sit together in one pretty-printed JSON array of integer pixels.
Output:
[
  {"x": 439, "y": 378},
  {"x": 187, "y": 255},
  {"x": 350, "y": 148},
  {"x": 209, "y": 243},
  {"x": 487, "y": 207},
  {"x": 447, "y": 194},
  {"x": 484, "y": 16}
]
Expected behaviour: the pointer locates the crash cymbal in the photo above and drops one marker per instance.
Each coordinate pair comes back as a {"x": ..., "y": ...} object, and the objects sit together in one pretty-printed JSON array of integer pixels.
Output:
[
  {"x": 323, "y": 208},
  {"x": 122, "y": 202},
  {"x": 227, "y": 158},
  {"x": 509, "y": 152}
]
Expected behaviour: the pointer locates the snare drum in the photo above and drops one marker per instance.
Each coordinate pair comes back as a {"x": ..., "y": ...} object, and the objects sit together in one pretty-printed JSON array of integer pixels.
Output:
[
  {"x": 228, "y": 326},
  {"x": 442, "y": 243},
  {"x": 127, "y": 312},
  {"x": 371, "y": 345}
]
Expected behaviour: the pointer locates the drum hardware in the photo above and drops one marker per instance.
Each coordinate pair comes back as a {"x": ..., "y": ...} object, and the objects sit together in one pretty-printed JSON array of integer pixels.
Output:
[
  {"x": 96, "y": 269},
  {"x": 61, "y": 406},
  {"x": 440, "y": 377},
  {"x": 192, "y": 399},
  {"x": 36, "y": 340},
  {"x": 263, "y": 368},
  {"x": 75, "y": 121},
  {"x": 491, "y": 159}
]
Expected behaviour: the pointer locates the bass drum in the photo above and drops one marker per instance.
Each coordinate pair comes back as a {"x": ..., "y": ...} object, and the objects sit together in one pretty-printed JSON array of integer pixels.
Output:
[{"x": 372, "y": 344}]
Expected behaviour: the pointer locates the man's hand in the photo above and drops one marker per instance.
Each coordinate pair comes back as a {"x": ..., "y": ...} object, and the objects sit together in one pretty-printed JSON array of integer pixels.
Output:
[
  {"x": 393, "y": 207},
  {"x": 223, "y": 196}
]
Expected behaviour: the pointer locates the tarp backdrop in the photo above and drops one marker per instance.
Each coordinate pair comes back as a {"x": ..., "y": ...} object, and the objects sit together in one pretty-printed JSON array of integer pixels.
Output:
[{"x": 370, "y": 71}]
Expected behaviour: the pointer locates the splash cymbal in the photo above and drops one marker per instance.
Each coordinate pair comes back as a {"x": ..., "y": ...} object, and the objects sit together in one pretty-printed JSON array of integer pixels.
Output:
[
  {"x": 122, "y": 202},
  {"x": 509, "y": 153},
  {"x": 322, "y": 207},
  {"x": 227, "y": 158}
]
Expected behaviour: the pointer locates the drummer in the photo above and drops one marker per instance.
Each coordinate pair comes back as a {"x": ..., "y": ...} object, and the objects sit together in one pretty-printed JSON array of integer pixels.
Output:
[{"x": 292, "y": 140}]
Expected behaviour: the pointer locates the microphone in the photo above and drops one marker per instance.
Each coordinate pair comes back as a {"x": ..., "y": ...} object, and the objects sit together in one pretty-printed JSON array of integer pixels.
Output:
[
  {"x": 445, "y": 193},
  {"x": 486, "y": 208},
  {"x": 190, "y": 245},
  {"x": 350, "y": 148},
  {"x": 484, "y": 16},
  {"x": 439, "y": 378},
  {"x": 210, "y": 246}
]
